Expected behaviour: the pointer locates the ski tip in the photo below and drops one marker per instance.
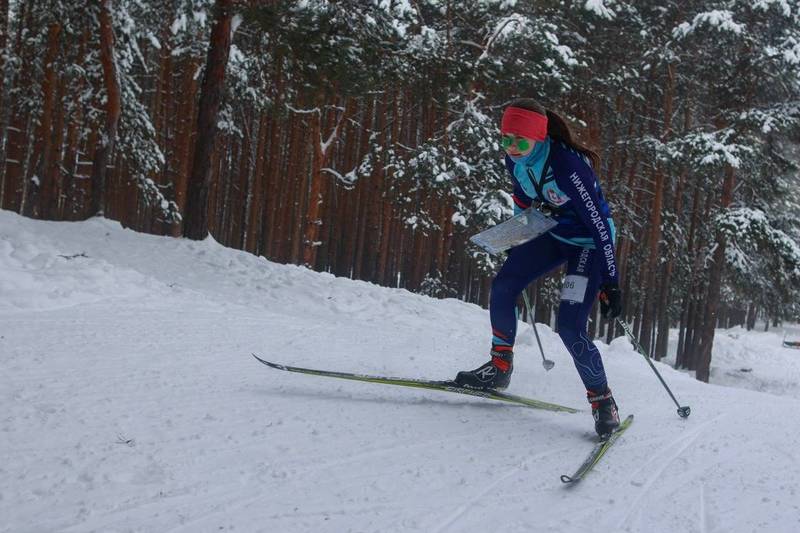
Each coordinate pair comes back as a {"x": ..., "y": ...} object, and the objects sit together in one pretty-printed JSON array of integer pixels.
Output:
[
  {"x": 567, "y": 479},
  {"x": 273, "y": 365}
]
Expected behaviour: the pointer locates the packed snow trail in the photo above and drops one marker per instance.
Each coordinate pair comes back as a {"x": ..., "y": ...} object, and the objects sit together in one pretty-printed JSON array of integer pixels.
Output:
[{"x": 130, "y": 402}]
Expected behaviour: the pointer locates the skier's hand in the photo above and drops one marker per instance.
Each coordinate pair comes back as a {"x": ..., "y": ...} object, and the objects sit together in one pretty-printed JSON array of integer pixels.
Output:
[{"x": 610, "y": 300}]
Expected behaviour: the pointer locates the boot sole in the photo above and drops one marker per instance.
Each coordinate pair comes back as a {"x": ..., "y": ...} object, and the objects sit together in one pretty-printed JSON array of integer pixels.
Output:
[{"x": 470, "y": 387}]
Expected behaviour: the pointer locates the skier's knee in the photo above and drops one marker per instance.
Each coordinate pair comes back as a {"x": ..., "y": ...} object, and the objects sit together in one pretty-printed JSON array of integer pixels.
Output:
[
  {"x": 503, "y": 288},
  {"x": 568, "y": 330},
  {"x": 568, "y": 334}
]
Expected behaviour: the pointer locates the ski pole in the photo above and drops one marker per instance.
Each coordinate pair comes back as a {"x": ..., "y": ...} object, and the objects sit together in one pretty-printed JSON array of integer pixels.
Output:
[
  {"x": 683, "y": 411},
  {"x": 546, "y": 363}
]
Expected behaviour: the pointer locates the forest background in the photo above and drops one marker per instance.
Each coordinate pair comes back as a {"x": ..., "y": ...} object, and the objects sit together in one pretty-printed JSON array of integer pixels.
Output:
[{"x": 360, "y": 137}]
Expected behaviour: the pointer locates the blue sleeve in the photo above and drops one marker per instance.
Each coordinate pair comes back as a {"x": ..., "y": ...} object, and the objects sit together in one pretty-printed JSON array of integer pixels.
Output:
[
  {"x": 521, "y": 200},
  {"x": 577, "y": 179}
]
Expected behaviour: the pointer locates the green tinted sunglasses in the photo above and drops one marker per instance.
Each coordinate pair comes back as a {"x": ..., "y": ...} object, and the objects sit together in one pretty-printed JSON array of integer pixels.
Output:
[{"x": 507, "y": 142}]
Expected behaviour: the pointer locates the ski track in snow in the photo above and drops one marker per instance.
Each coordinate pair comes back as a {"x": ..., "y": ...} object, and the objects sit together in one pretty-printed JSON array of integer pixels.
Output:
[
  {"x": 460, "y": 511},
  {"x": 130, "y": 403},
  {"x": 703, "y": 527},
  {"x": 661, "y": 460}
]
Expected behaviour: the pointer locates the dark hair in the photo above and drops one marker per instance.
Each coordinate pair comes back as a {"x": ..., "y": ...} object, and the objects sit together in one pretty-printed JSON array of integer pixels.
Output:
[{"x": 557, "y": 128}]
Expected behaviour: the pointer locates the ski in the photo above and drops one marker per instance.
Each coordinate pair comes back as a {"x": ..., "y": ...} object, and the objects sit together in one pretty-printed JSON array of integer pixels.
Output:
[
  {"x": 597, "y": 452},
  {"x": 445, "y": 386}
]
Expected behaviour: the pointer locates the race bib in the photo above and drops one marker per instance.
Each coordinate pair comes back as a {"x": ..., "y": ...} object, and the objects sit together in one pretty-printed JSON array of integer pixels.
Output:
[{"x": 574, "y": 288}]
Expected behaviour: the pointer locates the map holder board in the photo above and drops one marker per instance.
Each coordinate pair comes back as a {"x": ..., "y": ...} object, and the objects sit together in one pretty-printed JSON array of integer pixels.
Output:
[{"x": 517, "y": 230}]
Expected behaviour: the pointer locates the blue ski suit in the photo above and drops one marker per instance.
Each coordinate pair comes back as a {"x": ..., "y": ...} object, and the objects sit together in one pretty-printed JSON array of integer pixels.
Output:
[{"x": 559, "y": 178}]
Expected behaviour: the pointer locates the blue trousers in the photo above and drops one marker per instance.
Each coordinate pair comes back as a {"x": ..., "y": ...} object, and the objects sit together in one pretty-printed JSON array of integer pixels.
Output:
[{"x": 528, "y": 262}]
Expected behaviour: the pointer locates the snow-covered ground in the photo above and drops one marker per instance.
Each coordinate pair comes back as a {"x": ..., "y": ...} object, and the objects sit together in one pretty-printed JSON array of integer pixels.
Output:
[
  {"x": 754, "y": 360},
  {"x": 129, "y": 402}
]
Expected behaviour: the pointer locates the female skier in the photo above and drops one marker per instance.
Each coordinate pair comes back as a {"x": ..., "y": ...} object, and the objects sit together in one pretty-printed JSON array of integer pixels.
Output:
[{"x": 554, "y": 173}]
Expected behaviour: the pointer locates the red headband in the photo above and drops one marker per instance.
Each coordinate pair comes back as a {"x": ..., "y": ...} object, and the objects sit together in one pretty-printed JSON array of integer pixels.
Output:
[{"x": 524, "y": 123}]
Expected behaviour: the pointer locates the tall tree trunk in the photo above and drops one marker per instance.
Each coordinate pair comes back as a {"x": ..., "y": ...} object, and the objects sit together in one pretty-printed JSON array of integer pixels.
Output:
[
  {"x": 662, "y": 341},
  {"x": 16, "y": 121},
  {"x": 3, "y": 32},
  {"x": 67, "y": 205},
  {"x": 382, "y": 270},
  {"x": 161, "y": 105},
  {"x": 377, "y": 111},
  {"x": 367, "y": 238},
  {"x": 287, "y": 193},
  {"x": 183, "y": 127},
  {"x": 297, "y": 218},
  {"x": 652, "y": 261},
  {"x": 5, "y": 86},
  {"x": 30, "y": 142},
  {"x": 242, "y": 191},
  {"x": 44, "y": 142},
  {"x": 715, "y": 282},
  {"x": 196, "y": 217},
  {"x": 652, "y": 289},
  {"x": 663, "y": 322},
  {"x": 322, "y": 151},
  {"x": 51, "y": 160},
  {"x": 255, "y": 203},
  {"x": 685, "y": 334},
  {"x": 102, "y": 154},
  {"x": 274, "y": 178},
  {"x": 752, "y": 313},
  {"x": 359, "y": 221},
  {"x": 697, "y": 292}
]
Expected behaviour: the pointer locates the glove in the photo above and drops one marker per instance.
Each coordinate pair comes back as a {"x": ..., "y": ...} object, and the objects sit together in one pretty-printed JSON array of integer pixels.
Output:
[{"x": 610, "y": 300}]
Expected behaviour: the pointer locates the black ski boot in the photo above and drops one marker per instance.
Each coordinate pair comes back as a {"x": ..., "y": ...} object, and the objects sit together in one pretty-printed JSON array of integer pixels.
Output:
[
  {"x": 496, "y": 374},
  {"x": 604, "y": 411}
]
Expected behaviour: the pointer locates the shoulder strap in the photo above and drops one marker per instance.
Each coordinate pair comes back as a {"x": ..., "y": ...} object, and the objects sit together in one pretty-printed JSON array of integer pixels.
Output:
[{"x": 539, "y": 186}]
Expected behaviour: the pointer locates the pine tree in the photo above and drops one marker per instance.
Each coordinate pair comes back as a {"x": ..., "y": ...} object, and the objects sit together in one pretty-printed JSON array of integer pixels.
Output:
[{"x": 196, "y": 217}]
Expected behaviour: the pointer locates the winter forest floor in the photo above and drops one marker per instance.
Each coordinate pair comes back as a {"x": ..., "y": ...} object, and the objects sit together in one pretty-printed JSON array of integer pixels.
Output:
[{"x": 129, "y": 402}]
